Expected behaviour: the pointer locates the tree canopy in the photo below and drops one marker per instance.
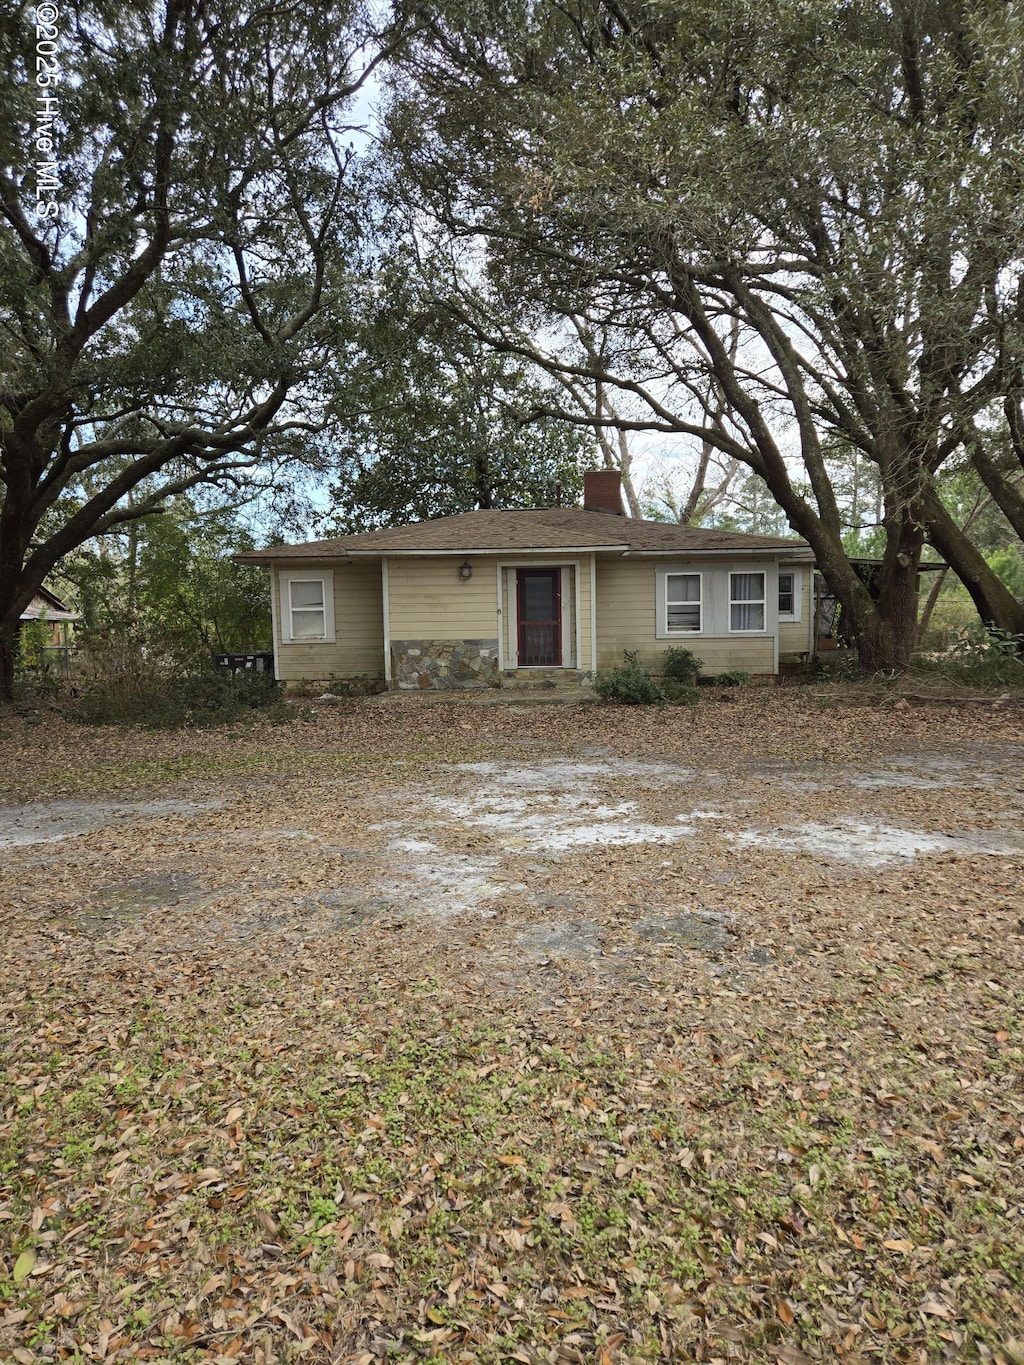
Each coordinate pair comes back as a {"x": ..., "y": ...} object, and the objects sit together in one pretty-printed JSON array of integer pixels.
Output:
[
  {"x": 796, "y": 245},
  {"x": 169, "y": 581},
  {"x": 175, "y": 304},
  {"x": 430, "y": 421},
  {"x": 797, "y": 232}
]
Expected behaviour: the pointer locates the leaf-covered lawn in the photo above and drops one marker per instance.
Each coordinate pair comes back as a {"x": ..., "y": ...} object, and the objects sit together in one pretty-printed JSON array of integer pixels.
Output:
[{"x": 432, "y": 1030}]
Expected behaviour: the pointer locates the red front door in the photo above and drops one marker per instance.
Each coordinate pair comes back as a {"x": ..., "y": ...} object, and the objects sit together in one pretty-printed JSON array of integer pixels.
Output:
[{"x": 539, "y": 599}]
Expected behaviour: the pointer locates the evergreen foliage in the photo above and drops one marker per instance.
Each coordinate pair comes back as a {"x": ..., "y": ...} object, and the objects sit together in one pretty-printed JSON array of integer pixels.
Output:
[
  {"x": 629, "y": 683},
  {"x": 181, "y": 315}
]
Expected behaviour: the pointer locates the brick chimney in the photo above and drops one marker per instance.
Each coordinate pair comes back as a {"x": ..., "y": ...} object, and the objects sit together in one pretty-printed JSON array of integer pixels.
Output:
[{"x": 602, "y": 491}]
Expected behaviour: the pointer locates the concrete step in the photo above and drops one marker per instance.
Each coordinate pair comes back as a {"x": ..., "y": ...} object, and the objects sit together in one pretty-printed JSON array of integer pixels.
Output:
[{"x": 544, "y": 680}]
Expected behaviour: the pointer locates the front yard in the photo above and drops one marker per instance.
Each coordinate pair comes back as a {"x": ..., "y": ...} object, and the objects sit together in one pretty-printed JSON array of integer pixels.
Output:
[{"x": 422, "y": 1028}]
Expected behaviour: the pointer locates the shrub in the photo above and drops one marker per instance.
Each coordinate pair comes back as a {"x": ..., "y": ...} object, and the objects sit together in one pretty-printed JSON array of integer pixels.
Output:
[
  {"x": 171, "y": 699},
  {"x": 361, "y": 685},
  {"x": 733, "y": 677},
  {"x": 980, "y": 658},
  {"x": 629, "y": 683},
  {"x": 33, "y": 637},
  {"x": 682, "y": 666},
  {"x": 680, "y": 693},
  {"x": 38, "y": 687},
  {"x": 840, "y": 665},
  {"x": 951, "y": 619}
]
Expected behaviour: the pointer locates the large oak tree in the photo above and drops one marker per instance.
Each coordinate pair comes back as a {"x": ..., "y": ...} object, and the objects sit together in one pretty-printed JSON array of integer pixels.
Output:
[{"x": 174, "y": 280}]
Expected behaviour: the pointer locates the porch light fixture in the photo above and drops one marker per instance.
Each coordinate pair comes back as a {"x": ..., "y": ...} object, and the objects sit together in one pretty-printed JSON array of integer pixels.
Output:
[{"x": 465, "y": 571}]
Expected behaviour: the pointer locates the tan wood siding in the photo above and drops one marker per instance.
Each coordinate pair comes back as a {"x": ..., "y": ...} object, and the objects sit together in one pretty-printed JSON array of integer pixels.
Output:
[
  {"x": 793, "y": 637},
  {"x": 627, "y": 619},
  {"x": 585, "y": 662},
  {"x": 625, "y": 610},
  {"x": 508, "y": 615},
  {"x": 718, "y": 655},
  {"x": 567, "y": 593},
  {"x": 429, "y": 601},
  {"x": 358, "y": 646}
]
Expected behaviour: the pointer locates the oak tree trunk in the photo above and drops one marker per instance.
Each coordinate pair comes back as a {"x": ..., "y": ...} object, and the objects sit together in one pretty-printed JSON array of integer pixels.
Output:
[
  {"x": 887, "y": 641},
  {"x": 8, "y": 655}
]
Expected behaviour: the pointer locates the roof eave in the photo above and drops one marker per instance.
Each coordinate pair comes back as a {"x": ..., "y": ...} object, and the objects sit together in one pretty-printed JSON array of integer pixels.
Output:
[
  {"x": 268, "y": 558},
  {"x": 794, "y": 552},
  {"x": 495, "y": 550}
]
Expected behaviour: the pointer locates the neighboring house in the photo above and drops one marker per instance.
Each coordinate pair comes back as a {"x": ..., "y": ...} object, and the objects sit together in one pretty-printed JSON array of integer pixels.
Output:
[
  {"x": 58, "y": 619},
  {"x": 488, "y": 598},
  {"x": 47, "y": 606}
]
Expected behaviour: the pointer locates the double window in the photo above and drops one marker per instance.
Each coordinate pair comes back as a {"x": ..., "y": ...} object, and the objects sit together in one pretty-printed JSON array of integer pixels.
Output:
[
  {"x": 307, "y": 607},
  {"x": 712, "y": 601}
]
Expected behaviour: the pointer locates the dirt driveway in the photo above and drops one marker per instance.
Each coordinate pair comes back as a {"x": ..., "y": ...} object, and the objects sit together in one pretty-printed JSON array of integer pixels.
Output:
[
  {"x": 827, "y": 895},
  {"x": 767, "y": 841}
]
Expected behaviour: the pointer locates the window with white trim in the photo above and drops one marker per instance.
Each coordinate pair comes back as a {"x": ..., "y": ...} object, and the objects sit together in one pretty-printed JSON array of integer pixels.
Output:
[
  {"x": 789, "y": 595},
  {"x": 307, "y": 607},
  {"x": 682, "y": 603},
  {"x": 746, "y": 601}
]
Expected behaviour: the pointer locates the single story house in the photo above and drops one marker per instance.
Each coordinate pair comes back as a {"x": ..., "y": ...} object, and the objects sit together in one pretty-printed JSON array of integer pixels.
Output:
[{"x": 492, "y": 598}]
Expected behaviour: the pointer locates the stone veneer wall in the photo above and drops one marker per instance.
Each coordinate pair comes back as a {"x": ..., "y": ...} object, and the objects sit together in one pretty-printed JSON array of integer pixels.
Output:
[{"x": 444, "y": 663}]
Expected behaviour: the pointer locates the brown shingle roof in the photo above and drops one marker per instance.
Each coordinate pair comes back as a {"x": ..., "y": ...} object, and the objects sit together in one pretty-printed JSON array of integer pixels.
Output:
[
  {"x": 47, "y": 606},
  {"x": 549, "y": 528}
]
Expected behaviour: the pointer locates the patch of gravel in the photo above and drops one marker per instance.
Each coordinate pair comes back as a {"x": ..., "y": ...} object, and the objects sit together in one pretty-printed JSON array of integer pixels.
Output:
[
  {"x": 871, "y": 845},
  {"x": 49, "y": 823},
  {"x": 706, "y": 931},
  {"x": 578, "y": 940}
]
